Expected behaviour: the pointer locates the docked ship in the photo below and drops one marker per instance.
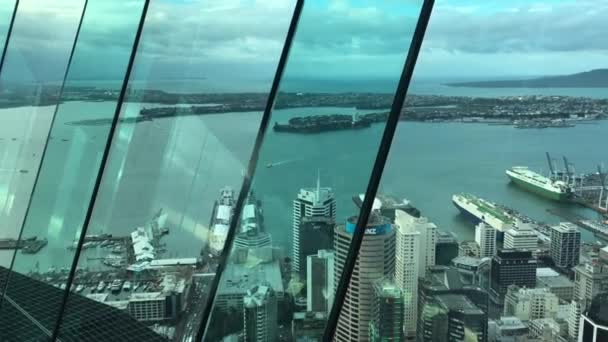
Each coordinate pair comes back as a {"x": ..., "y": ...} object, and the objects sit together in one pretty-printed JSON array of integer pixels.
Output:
[
  {"x": 220, "y": 220},
  {"x": 539, "y": 184},
  {"x": 479, "y": 210}
]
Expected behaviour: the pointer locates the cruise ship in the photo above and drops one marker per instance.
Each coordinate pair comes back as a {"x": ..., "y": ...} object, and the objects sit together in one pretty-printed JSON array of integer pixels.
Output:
[
  {"x": 480, "y": 210},
  {"x": 220, "y": 221},
  {"x": 539, "y": 184}
]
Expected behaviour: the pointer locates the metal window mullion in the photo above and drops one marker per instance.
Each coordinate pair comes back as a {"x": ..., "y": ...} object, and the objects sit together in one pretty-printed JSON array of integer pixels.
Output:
[
  {"x": 102, "y": 166},
  {"x": 246, "y": 186},
  {"x": 381, "y": 157},
  {"x": 44, "y": 149},
  {"x": 8, "y": 35}
]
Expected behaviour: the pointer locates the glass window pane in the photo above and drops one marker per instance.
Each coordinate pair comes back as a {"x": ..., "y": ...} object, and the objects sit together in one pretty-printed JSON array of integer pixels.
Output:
[
  {"x": 316, "y": 158},
  {"x": 7, "y": 8},
  {"x": 68, "y": 170},
  {"x": 200, "y": 82},
  {"x": 478, "y": 108}
]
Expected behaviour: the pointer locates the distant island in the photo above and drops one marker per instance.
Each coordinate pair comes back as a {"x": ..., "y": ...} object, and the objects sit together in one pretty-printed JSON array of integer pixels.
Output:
[{"x": 597, "y": 78}]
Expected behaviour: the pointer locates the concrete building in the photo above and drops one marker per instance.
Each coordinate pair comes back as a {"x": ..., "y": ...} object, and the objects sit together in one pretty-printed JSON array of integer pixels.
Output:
[
  {"x": 320, "y": 269},
  {"x": 452, "y": 317},
  {"x": 574, "y": 318},
  {"x": 446, "y": 248},
  {"x": 521, "y": 237},
  {"x": 556, "y": 283},
  {"x": 590, "y": 279},
  {"x": 565, "y": 245},
  {"x": 387, "y": 312},
  {"x": 308, "y": 326},
  {"x": 548, "y": 329},
  {"x": 314, "y": 217},
  {"x": 594, "y": 321},
  {"x": 512, "y": 267},
  {"x": 252, "y": 239},
  {"x": 407, "y": 260},
  {"x": 166, "y": 304},
  {"x": 527, "y": 304},
  {"x": 376, "y": 260},
  {"x": 469, "y": 248},
  {"x": 485, "y": 236},
  {"x": 428, "y": 237},
  {"x": 508, "y": 329},
  {"x": 260, "y": 314},
  {"x": 475, "y": 271}
]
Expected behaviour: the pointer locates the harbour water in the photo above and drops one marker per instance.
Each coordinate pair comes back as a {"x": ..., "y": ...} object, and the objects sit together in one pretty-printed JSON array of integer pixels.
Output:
[{"x": 180, "y": 164}]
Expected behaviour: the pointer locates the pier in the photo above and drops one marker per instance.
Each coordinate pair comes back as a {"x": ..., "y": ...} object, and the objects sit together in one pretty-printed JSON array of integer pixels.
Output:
[{"x": 28, "y": 246}]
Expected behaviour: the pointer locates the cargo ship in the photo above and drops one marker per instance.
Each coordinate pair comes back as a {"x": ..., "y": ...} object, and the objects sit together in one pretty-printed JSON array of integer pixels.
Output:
[
  {"x": 533, "y": 182},
  {"x": 220, "y": 221},
  {"x": 479, "y": 210}
]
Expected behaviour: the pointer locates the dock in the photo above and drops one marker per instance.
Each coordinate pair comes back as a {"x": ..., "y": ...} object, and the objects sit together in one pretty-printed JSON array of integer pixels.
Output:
[
  {"x": 598, "y": 228},
  {"x": 28, "y": 246}
]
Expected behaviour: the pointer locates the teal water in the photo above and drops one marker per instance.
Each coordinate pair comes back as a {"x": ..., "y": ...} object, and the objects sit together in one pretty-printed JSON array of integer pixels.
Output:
[{"x": 179, "y": 164}]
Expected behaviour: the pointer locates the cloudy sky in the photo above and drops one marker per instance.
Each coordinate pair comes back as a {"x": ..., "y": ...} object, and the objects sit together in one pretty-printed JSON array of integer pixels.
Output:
[{"x": 336, "y": 39}]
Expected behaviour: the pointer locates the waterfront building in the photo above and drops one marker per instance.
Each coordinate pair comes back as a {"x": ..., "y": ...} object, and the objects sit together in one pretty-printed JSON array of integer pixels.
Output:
[
  {"x": 512, "y": 267},
  {"x": 557, "y": 283},
  {"x": 308, "y": 326},
  {"x": 320, "y": 281},
  {"x": 469, "y": 248},
  {"x": 475, "y": 271},
  {"x": 452, "y": 317},
  {"x": 260, "y": 314},
  {"x": 508, "y": 329},
  {"x": 314, "y": 217},
  {"x": 565, "y": 245},
  {"x": 387, "y": 312},
  {"x": 376, "y": 260},
  {"x": 407, "y": 260},
  {"x": 167, "y": 304},
  {"x": 521, "y": 237},
  {"x": 485, "y": 236},
  {"x": 594, "y": 320},
  {"x": 530, "y": 303},
  {"x": 446, "y": 248},
  {"x": 590, "y": 279}
]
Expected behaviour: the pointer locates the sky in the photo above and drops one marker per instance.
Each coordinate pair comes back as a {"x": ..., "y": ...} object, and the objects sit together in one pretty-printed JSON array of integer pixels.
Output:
[{"x": 336, "y": 39}]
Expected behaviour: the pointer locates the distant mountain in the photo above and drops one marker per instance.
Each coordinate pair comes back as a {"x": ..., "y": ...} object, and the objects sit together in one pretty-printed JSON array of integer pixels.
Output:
[{"x": 597, "y": 78}]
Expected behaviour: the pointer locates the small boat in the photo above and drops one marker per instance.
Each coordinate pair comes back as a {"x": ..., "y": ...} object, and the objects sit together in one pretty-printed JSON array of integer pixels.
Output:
[
  {"x": 126, "y": 286},
  {"x": 101, "y": 286},
  {"x": 79, "y": 288}
]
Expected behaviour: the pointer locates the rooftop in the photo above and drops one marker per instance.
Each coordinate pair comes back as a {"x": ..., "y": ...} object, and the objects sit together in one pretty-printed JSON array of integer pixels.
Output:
[
  {"x": 240, "y": 278},
  {"x": 460, "y": 303}
]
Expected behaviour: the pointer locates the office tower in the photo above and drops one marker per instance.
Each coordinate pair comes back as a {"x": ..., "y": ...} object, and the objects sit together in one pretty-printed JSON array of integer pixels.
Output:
[
  {"x": 407, "y": 260},
  {"x": 29, "y": 313},
  {"x": 590, "y": 279},
  {"x": 485, "y": 236},
  {"x": 527, "y": 304},
  {"x": 565, "y": 245},
  {"x": 521, "y": 237},
  {"x": 376, "y": 260},
  {"x": 559, "y": 284},
  {"x": 320, "y": 281},
  {"x": 446, "y": 248},
  {"x": 387, "y": 312},
  {"x": 260, "y": 314},
  {"x": 594, "y": 320},
  {"x": 508, "y": 329},
  {"x": 468, "y": 248},
  {"x": 428, "y": 237},
  {"x": 512, "y": 267},
  {"x": 314, "y": 217},
  {"x": 308, "y": 326},
  {"x": 452, "y": 317},
  {"x": 574, "y": 318}
]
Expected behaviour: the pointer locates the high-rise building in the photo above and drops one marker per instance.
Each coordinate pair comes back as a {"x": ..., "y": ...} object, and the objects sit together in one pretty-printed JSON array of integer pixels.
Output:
[
  {"x": 376, "y": 260},
  {"x": 387, "y": 312},
  {"x": 387, "y": 205},
  {"x": 407, "y": 260},
  {"x": 260, "y": 314},
  {"x": 308, "y": 326},
  {"x": 252, "y": 239},
  {"x": 557, "y": 283},
  {"x": 594, "y": 320},
  {"x": 590, "y": 279},
  {"x": 527, "y": 304},
  {"x": 475, "y": 271},
  {"x": 485, "y": 236},
  {"x": 452, "y": 317},
  {"x": 320, "y": 281},
  {"x": 574, "y": 318},
  {"x": 446, "y": 248},
  {"x": 521, "y": 237},
  {"x": 428, "y": 237},
  {"x": 314, "y": 217},
  {"x": 512, "y": 267},
  {"x": 565, "y": 245}
]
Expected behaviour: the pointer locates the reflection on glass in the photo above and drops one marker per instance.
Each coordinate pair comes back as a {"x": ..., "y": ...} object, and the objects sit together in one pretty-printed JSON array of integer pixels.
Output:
[
  {"x": 7, "y": 8},
  {"x": 33, "y": 70},
  {"x": 499, "y": 242},
  {"x": 200, "y": 82},
  {"x": 295, "y": 229}
]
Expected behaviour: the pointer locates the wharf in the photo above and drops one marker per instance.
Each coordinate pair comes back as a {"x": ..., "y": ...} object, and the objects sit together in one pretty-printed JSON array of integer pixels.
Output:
[
  {"x": 598, "y": 228},
  {"x": 28, "y": 246}
]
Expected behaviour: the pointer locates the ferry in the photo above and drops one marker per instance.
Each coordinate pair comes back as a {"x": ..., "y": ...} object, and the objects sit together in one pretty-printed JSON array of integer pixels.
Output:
[
  {"x": 533, "y": 182},
  {"x": 220, "y": 221},
  {"x": 479, "y": 210}
]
